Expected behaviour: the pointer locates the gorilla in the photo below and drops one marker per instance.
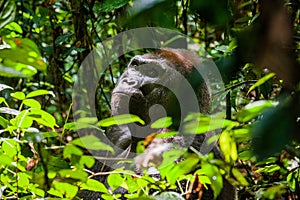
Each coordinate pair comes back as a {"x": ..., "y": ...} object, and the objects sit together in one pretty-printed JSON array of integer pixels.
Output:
[{"x": 155, "y": 85}]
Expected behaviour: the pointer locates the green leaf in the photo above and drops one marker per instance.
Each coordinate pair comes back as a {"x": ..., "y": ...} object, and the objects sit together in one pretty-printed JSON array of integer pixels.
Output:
[
  {"x": 6, "y": 161},
  {"x": 39, "y": 93},
  {"x": 275, "y": 191},
  {"x": 196, "y": 123},
  {"x": 131, "y": 183},
  {"x": 144, "y": 181},
  {"x": 261, "y": 81},
  {"x": 63, "y": 189},
  {"x": 172, "y": 171},
  {"x": 49, "y": 134},
  {"x": 7, "y": 12},
  {"x": 120, "y": 119},
  {"x": 169, "y": 157},
  {"x": 70, "y": 126},
  {"x": 110, "y": 5},
  {"x": 269, "y": 169},
  {"x": 115, "y": 181},
  {"x": 55, "y": 192},
  {"x": 164, "y": 122},
  {"x": 241, "y": 132},
  {"x": 22, "y": 71},
  {"x": 168, "y": 196},
  {"x": 74, "y": 174},
  {"x": 254, "y": 109},
  {"x": 36, "y": 191},
  {"x": 245, "y": 155},
  {"x": 23, "y": 120},
  {"x": 2, "y": 99},
  {"x": 167, "y": 134},
  {"x": 32, "y": 103},
  {"x": 92, "y": 142},
  {"x": 13, "y": 26},
  {"x": 240, "y": 177},
  {"x": 70, "y": 150},
  {"x": 215, "y": 177},
  {"x": 3, "y": 122},
  {"x": 204, "y": 180},
  {"x": 292, "y": 180},
  {"x": 23, "y": 180},
  {"x": 94, "y": 185},
  {"x": 228, "y": 147},
  {"x": 88, "y": 161},
  {"x": 85, "y": 122},
  {"x": 42, "y": 117},
  {"x": 18, "y": 95},
  {"x": 10, "y": 148},
  {"x": 267, "y": 161},
  {"x": 22, "y": 55},
  {"x": 232, "y": 45}
]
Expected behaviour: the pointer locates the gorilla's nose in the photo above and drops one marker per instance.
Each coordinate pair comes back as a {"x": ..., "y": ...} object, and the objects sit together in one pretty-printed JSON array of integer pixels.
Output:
[{"x": 130, "y": 82}]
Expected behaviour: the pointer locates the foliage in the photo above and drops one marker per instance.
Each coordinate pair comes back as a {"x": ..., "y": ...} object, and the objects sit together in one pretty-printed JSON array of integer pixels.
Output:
[{"x": 43, "y": 43}]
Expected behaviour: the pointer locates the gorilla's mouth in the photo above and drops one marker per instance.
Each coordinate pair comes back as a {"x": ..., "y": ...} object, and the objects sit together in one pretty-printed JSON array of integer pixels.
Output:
[
  {"x": 135, "y": 104},
  {"x": 138, "y": 101}
]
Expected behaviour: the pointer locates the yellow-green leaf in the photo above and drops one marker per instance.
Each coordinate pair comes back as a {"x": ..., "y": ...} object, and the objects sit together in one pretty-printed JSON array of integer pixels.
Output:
[
  {"x": 164, "y": 122},
  {"x": 261, "y": 81},
  {"x": 91, "y": 142},
  {"x": 120, "y": 119}
]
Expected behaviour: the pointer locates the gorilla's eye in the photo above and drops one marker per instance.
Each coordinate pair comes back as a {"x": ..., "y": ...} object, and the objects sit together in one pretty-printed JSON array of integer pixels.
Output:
[
  {"x": 151, "y": 72},
  {"x": 134, "y": 63}
]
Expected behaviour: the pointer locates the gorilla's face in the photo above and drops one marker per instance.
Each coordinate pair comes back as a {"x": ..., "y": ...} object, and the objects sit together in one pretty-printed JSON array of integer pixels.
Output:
[{"x": 145, "y": 83}]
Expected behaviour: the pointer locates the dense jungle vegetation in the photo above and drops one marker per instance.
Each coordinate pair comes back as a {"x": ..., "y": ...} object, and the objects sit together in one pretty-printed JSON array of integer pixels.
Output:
[{"x": 255, "y": 45}]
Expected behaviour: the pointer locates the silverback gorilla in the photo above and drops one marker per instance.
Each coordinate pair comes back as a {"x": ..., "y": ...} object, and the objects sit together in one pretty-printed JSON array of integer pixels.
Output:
[{"x": 152, "y": 87}]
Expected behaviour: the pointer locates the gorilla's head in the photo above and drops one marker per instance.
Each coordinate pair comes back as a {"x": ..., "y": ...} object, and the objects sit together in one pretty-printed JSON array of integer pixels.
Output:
[{"x": 157, "y": 79}]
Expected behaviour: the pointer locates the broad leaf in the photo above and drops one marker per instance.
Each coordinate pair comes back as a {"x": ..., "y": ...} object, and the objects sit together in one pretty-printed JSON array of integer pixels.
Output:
[
  {"x": 120, "y": 119},
  {"x": 164, "y": 122},
  {"x": 215, "y": 177},
  {"x": 32, "y": 103},
  {"x": 18, "y": 95},
  {"x": 7, "y": 12},
  {"x": 22, "y": 55},
  {"x": 42, "y": 117},
  {"x": 94, "y": 185},
  {"x": 115, "y": 181},
  {"x": 38, "y": 93},
  {"x": 110, "y": 5},
  {"x": 23, "y": 120},
  {"x": 228, "y": 147},
  {"x": 91, "y": 142},
  {"x": 240, "y": 177},
  {"x": 74, "y": 174},
  {"x": 169, "y": 195},
  {"x": 261, "y": 81},
  {"x": 254, "y": 109}
]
